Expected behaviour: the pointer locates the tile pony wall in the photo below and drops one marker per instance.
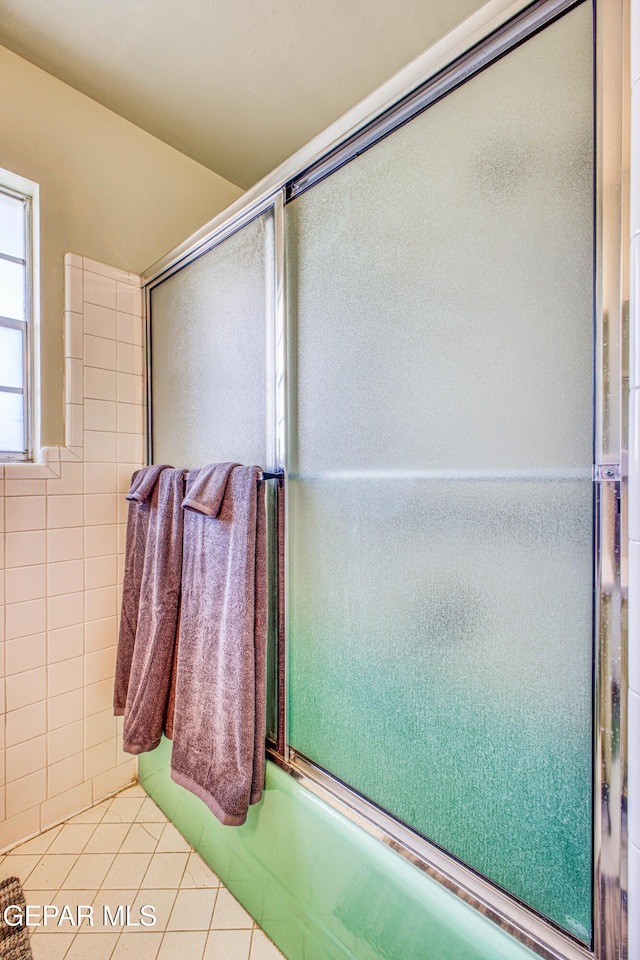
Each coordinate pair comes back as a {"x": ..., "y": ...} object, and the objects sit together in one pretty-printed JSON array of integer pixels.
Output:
[{"x": 62, "y": 529}]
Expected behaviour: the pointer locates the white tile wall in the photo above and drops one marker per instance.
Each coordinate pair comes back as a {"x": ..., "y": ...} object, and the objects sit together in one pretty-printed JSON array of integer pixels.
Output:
[
  {"x": 60, "y": 563},
  {"x": 634, "y": 502}
]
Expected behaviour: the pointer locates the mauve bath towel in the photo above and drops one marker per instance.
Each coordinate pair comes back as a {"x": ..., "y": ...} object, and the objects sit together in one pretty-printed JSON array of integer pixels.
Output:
[
  {"x": 219, "y": 723},
  {"x": 171, "y": 701},
  {"x": 143, "y": 484},
  {"x": 152, "y": 660}
]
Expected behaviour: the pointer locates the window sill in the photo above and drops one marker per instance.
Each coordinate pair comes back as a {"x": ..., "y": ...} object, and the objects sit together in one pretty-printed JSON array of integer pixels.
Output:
[{"x": 47, "y": 465}]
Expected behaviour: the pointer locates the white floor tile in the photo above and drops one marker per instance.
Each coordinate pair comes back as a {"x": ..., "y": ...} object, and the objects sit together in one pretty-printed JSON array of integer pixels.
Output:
[
  {"x": 161, "y": 900},
  {"x": 107, "y": 838},
  {"x": 228, "y": 945},
  {"x": 20, "y": 866},
  {"x": 139, "y": 946},
  {"x": 36, "y": 897},
  {"x": 193, "y": 910},
  {"x": 114, "y": 921},
  {"x": 92, "y": 815},
  {"x": 51, "y": 948},
  {"x": 189, "y": 944},
  {"x": 90, "y": 870},
  {"x": 165, "y": 870},
  {"x": 92, "y": 946},
  {"x": 72, "y": 838},
  {"x": 135, "y": 791},
  {"x": 124, "y": 852},
  {"x": 52, "y": 931},
  {"x": 198, "y": 874},
  {"x": 123, "y": 810},
  {"x": 262, "y": 948},
  {"x": 172, "y": 841},
  {"x": 155, "y": 829},
  {"x": 141, "y": 838},
  {"x": 52, "y": 871},
  {"x": 228, "y": 913},
  {"x": 127, "y": 869},
  {"x": 67, "y": 920},
  {"x": 39, "y": 844},
  {"x": 150, "y": 813}
]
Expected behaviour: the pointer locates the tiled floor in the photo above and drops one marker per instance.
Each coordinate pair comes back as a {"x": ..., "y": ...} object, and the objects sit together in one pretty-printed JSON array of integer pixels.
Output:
[{"x": 124, "y": 851}]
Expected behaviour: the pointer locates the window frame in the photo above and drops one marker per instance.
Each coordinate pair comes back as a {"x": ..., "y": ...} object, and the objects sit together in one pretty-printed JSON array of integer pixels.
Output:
[{"x": 13, "y": 185}]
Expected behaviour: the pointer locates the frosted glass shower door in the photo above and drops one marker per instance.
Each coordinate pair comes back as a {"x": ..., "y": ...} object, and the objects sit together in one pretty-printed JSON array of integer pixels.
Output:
[
  {"x": 440, "y": 493},
  {"x": 209, "y": 335}
]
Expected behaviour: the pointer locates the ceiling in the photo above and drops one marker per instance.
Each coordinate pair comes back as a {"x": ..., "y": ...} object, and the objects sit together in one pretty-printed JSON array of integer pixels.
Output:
[{"x": 237, "y": 85}]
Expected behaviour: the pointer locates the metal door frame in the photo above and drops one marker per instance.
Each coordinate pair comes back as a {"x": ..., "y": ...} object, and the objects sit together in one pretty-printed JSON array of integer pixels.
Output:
[{"x": 495, "y": 29}]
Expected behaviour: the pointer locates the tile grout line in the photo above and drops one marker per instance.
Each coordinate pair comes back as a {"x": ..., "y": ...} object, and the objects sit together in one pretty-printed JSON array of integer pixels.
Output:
[{"x": 164, "y": 826}]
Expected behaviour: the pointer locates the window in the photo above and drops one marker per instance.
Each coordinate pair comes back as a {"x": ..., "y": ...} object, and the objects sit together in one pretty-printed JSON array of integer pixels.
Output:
[{"x": 17, "y": 198}]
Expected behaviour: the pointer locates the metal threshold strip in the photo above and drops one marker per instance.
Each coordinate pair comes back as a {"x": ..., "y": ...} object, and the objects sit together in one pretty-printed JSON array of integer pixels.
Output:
[{"x": 519, "y": 921}]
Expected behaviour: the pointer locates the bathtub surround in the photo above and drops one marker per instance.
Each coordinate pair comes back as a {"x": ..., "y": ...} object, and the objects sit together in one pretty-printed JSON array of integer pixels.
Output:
[
  {"x": 63, "y": 556},
  {"x": 219, "y": 722},
  {"x": 154, "y": 642}
]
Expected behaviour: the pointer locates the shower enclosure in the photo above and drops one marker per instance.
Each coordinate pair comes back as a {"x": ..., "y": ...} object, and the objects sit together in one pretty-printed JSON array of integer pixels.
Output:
[{"x": 405, "y": 325}]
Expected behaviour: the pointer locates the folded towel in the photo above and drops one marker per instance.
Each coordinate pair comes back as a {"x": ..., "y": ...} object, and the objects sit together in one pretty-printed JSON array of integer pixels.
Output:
[
  {"x": 219, "y": 723},
  {"x": 152, "y": 659},
  {"x": 206, "y": 488},
  {"x": 143, "y": 483}
]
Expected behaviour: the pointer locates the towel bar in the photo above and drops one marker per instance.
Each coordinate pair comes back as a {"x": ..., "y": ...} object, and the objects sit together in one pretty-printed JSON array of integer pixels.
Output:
[{"x": 271, "y": 476}]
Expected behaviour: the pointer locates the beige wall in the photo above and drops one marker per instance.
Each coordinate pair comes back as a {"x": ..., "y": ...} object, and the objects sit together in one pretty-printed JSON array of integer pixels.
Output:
[{"x": 108, "y": 191}]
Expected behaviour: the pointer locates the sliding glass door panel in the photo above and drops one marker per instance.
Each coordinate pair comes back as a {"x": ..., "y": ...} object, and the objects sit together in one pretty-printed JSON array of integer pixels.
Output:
[
  {"x": 440, "y": 496},
  {"x": 208, "y": 345},
  {"x": 437, "y": 633},
  {"x": 444, "y": 279},
  {"x": 211, "y": 345}
]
